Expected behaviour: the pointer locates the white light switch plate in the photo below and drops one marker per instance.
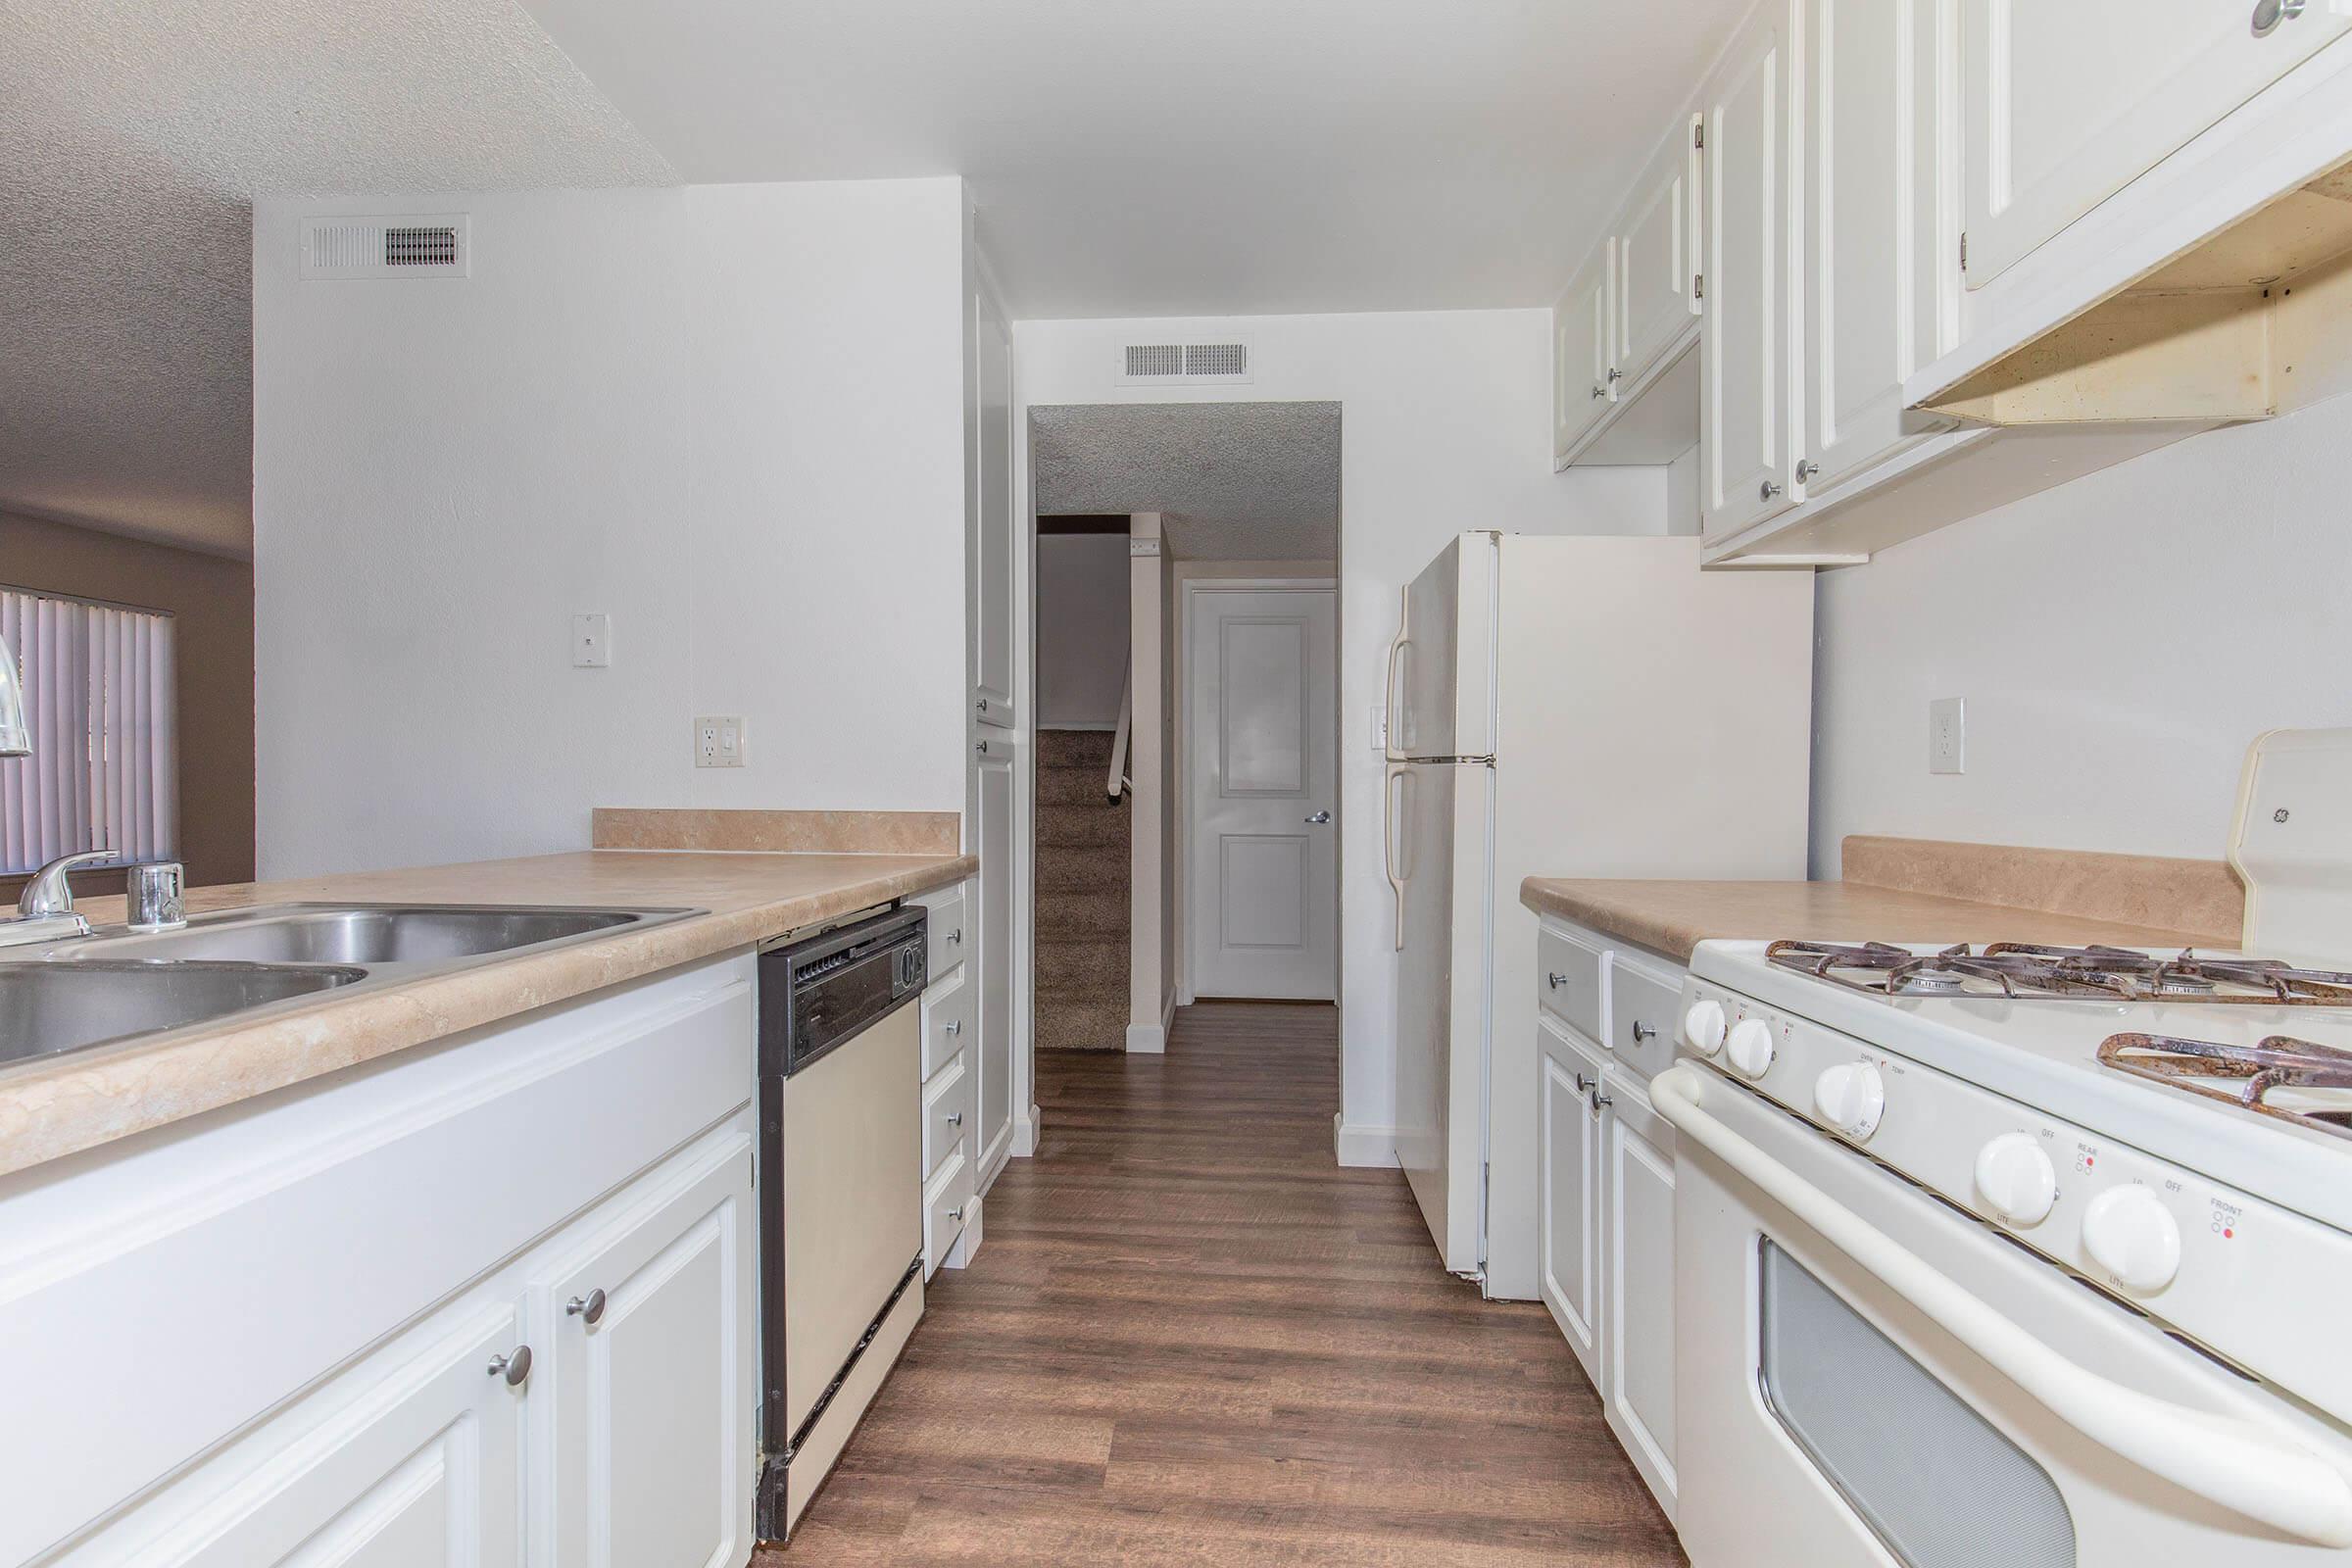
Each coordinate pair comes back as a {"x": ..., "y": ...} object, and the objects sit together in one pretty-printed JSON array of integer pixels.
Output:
[
  {"x": 591, "y": 641},
  {"x": 1947, "y": 735},
  {"x": 719, "y": 740}
]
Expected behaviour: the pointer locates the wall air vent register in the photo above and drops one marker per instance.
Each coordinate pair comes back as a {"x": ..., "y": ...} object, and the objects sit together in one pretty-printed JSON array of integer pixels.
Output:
[
  {"x": 1150, "y": 363},
  {"x": 435, "y": 246}
]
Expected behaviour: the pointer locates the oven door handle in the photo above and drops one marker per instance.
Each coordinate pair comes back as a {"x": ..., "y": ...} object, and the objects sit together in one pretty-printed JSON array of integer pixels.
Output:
[{"x": 2244, "y": 1465}]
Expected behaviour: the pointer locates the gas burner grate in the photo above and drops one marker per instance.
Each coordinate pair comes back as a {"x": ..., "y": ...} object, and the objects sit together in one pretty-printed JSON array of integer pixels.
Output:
[
  {"x": 2029, "y": 971},
  {"x": 2278, "y": 1062}
]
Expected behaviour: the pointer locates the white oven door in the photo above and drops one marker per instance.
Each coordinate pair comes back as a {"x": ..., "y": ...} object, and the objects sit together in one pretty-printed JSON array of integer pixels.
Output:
[{"x": 1849, "y": 1384}]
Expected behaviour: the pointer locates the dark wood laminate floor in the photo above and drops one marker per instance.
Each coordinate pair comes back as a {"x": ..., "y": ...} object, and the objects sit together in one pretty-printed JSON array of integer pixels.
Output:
[{"x": 1192, "y": 1338}]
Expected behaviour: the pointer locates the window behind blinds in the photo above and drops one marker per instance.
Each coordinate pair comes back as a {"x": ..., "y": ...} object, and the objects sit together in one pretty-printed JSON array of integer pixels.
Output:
[{"x": 98, "y": 697}]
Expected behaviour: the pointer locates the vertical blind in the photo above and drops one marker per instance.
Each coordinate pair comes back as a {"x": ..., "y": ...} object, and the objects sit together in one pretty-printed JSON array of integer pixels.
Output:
[{"x": 98, "y": 699}]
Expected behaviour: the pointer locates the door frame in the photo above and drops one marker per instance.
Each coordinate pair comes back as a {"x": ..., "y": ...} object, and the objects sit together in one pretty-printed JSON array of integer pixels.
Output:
[{"x": 1180, "y": 760}]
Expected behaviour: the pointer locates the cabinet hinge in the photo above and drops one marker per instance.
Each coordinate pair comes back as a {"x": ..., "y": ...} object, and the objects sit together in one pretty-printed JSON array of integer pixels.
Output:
[
  {"x": 1698, "y": 136},
  {"x": 1699, "y": 286}
]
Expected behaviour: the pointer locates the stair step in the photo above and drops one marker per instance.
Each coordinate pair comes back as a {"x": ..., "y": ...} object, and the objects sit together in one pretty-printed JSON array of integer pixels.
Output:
[
  {"x": 1066, "y": 1025},
  {"x": 1082, "y": 827},
  {"x": 1075, "y": 786},
  {"x": 1093, "y": 913},
  {"x": 1068, "y": 870},
  {"x": 1097, "y": 967}
]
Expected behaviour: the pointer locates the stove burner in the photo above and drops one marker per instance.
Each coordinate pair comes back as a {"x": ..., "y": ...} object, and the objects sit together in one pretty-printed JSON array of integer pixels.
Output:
[
  {"x": 2278, "y": 1061},
  {"x": 2029, "y": 972}
]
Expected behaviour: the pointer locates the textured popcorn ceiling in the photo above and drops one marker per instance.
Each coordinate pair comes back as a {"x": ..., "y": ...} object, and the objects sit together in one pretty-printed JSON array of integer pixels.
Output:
[
  {"x": 1240, "y": 481},
  {"x": 133, "y": 138}
]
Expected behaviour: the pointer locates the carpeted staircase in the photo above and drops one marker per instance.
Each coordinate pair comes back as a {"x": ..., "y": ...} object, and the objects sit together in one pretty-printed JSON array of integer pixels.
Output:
[{"x": 1082, "y": 883}]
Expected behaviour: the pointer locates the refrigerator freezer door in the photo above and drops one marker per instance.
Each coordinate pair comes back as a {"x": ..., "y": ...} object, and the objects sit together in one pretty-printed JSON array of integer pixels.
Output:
[
  {"x": 1443, "y": 672},
  {"x": 1441, "y": 864}
]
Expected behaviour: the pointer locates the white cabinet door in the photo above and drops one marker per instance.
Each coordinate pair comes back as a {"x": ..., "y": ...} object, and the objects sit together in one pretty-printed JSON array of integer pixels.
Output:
[
  {"x": 1582, "y": 338},
  {"x": 1656, "y": 255},
  {"x": 1638, "y": 1324},
  {"x": 1869, "y": 229},
  {"x": 994, "y": 1080},
  {"x": 2069, "y": 103},
  {"x": 993, "y": 512},
  {"x": 651, "y": 1334},
  {"x": 1745, "y": 415},
  {"x": 1569, "y": 1228},
  {"x": 422, "y": 1468}
]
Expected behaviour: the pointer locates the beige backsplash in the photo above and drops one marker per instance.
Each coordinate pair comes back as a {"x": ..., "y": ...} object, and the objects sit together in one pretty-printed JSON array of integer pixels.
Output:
[
  {"x": 788, "y": 832},
  {"x": 2196, "y": 896}
]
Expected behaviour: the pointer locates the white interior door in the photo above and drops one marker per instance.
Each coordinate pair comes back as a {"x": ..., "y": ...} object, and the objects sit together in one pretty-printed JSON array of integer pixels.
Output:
[{"x": 1262, "y": 885}]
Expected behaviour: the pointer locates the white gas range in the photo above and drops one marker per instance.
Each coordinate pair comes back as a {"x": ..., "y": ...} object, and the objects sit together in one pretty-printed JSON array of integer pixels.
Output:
[{"x": 2025, "y": 1254}]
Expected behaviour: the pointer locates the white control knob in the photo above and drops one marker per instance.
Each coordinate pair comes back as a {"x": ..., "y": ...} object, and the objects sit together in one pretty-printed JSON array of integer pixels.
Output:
[
  {"x": 2129, "y": 1233},
  {"x": 1750, "y": 1046},
  {"x": 2017, "y": 1179},
  {"x": 1851, "y": 1097},
  {"x": 1703, "y": 1027}
]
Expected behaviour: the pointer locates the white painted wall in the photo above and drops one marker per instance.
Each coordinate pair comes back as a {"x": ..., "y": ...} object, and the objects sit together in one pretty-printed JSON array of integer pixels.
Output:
[
  {"x": 1081, "y": 630},
  {"x": 2119, "y": 641},
  {"x": 1446, "y": 425},
  {"x": 728, "y": 416}
]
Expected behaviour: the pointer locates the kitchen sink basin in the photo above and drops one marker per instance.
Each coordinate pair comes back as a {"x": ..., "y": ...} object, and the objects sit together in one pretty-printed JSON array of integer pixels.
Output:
[
  {"x": 48, "y": 1008},
  {"x": 371, "y": 935}
]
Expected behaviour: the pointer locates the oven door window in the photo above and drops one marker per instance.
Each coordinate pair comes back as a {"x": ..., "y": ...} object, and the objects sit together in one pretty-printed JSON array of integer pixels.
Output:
[{"x": 1939, "y": 1485}]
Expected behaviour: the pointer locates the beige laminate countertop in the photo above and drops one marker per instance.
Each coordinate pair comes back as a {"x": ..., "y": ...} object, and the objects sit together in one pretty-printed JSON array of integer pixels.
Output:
[
  {"x": 57, "y": 1105},
  {"x": 1673, "y": 918}
]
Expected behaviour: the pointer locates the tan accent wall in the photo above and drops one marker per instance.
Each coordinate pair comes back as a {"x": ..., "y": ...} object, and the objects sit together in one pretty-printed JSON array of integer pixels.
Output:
[{"x": 212, "y": 598}]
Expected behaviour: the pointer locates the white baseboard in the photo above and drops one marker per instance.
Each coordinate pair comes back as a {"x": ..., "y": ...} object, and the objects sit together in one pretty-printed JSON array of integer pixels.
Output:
[
  {"x": 1363, "y": 1146},
  {"x": 1024, "y": 1133},
  {"x": 1149, "y": 1040}
]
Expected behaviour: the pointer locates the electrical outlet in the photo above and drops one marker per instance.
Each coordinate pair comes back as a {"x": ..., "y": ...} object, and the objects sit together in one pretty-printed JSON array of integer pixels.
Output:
[
  {"x": 1947, "y": 735},
  {"x": 591, "y": 641},
  {"x": 719, "y": 740},
  {"x": 1380, "y": 729}
]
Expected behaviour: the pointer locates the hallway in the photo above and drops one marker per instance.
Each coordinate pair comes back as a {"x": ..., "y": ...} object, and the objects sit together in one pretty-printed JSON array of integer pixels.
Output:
[{"x": 1189, "y": 1337}]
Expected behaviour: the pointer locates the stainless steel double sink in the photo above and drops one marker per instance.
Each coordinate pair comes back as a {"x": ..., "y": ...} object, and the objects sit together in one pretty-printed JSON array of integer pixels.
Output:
[{"x": 117, "y": 984}]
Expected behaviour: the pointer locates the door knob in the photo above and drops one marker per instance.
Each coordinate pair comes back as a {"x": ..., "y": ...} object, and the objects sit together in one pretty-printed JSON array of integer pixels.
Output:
[
  {"x": 514, "y": 1366},
  {"x": 1320, "y": 817},
  {"x": 589, "y": 1308}
]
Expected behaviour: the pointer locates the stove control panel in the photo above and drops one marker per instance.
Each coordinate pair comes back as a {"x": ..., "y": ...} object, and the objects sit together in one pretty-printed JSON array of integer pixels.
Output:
[{"x": 2199, "y": 1256}]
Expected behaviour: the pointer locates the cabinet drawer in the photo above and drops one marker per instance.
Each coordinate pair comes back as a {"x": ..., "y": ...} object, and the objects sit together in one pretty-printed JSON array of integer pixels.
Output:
[
  {"x": 943, "y": 1211},
  {"x": 946, "y": 1109},
  {"x": 1644, "y": 1017},
  {"x": 947, "y": 1021},
  {"x": 951, "y": 935},
  {"x": 1568, "y": 980}
]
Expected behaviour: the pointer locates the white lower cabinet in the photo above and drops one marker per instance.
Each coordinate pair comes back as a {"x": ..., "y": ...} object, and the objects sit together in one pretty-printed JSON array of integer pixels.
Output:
[
  {"x": 647, "y": 1330},
  {"x": 960, "y": 1071},
  {"x": 1607, "y": 1162},
  {"x": 491, "y": 1306},
  {"x": 1570, "y": 1159}
]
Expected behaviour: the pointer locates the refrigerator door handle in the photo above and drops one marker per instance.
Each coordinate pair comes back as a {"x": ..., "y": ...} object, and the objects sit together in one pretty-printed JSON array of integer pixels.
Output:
[
  {"x": 1389, "y": 855},
  {"x": 1396, "y": 646}
]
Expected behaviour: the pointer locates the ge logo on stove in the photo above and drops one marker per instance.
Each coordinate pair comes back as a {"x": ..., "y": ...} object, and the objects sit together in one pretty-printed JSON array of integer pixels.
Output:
[{"x": 2279, "y": 816}]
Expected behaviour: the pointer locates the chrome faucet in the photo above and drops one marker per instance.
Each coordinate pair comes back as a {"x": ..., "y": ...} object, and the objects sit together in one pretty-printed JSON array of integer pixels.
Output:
[{"x": 45, "y": 909}]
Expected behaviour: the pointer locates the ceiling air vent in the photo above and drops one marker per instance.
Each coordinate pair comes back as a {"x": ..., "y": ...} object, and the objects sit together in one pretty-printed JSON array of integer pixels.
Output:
[
  {"x": 384, "y": 247},
  {"x": 1148, "y": 364}
]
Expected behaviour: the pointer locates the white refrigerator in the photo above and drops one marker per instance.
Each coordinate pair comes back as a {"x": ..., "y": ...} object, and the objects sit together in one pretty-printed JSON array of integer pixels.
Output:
[{"x": 1574, "y": 708}]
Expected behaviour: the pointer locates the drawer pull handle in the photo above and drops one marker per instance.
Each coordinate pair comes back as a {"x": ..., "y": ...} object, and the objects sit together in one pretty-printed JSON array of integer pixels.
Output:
[
  {"x": 515, "y": 1367},
  {"x": 1644, "y": 1031},
  {"x": 955, "y": 1118},
  {"x": 954, "y": 1026},
  {"x": 589, "y": 1308},
  {"x": 1555, "y": 981}
]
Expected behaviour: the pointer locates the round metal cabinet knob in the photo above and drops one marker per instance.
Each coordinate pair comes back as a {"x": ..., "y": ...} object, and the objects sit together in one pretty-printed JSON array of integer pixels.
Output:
[
  {"x": 2268, "y": 14},
  {"x": 514, "y": 1366},
  {"x": 983, "y": 705},
  {"x": 1703, "y": 1026},
  {"x": 589, "y": 1308},
  {"x": 1750, "y": 1045},
  {"x": 2017, "y": 1179},
  {"x": 1807, "y": 468},
  {"x": 956, "y": 1213},
  {"x": 1768, "y": 489},
  {"x": 1555, "y": 981},
  {"x": 2129, "y": 1233},
  {"x": 957, "y": 936},
  {"x": 954, "y": 1026},
  {"x": 955, "y": 1118},
  {"x": 1644, "y": 1031}
]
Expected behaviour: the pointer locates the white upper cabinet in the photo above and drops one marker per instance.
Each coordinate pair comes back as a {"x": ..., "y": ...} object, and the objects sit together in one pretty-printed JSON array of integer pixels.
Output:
[
  {"x": 1871, "y": 240},
  {"x": 1582, "y": 338},
  {"x": 2069, "y": 103},
  {"x": 1745, "y": 382},
  {"x": 1655, "y": 261}
]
